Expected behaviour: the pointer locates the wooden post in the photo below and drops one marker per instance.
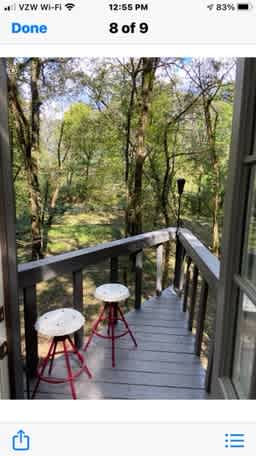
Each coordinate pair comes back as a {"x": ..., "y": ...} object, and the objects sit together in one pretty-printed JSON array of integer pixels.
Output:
[
  {"x": 31, "y": 338},
  {"x": 8, "y": 265},
  {"x": 208, "y": 376},
  {"x": 78, "y": 303},
  {"x": 138, "y": 278},
  {"x": 201, "y": 317},
  {"x": 193, "y": 298},
  {"x": 1, "y": 313},
  {"x": 187, "y": 282},
  {"x": 179, "y": 258},
  {"x": 114, "y": 270},
  {"x": 159, "y": 269}
]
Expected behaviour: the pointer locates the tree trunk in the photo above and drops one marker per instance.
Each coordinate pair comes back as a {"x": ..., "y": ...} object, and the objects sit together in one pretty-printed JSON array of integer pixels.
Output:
[
  {"x": 149, "y": 66},
  {"x": 28, "y": 132},
  {"x": 33, "y": 163},
  {"x": 127, "y": 153},
  {"x": 215, "y": 212},
  {"x": 56, "y": 191},
  {"x": 35, "y": 208},
  {"x": 211, "y": 129},
  {"x": 52, "y": 210},
  {"x": 199, "y": 199}
]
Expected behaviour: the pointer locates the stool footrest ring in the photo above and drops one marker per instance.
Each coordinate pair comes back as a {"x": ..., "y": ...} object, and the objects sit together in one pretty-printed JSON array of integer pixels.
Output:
[
  {"x": 111, "y": 313},
  {"x": 116, "y": 336},
  {"x": 49, "y": 360},
  {"x": 56, "y": 380}
]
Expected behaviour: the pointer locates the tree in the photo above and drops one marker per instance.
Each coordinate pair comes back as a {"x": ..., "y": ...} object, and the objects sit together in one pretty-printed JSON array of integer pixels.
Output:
[
  {"x": 210, "y": 78},
  {"x": 148, "y": 72},
  {"x": 122, "y": 132},
  {"x": 30, "y": 82},
  {"x": 27, "y": 122}
]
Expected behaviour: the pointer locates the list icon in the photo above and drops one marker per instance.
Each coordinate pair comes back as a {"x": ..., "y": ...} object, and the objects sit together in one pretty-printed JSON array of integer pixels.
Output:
[{"x": 234, "y": 441}]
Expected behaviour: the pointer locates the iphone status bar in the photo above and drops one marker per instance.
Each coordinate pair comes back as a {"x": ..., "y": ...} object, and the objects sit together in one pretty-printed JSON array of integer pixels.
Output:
[{"x": 152, "y": 22}]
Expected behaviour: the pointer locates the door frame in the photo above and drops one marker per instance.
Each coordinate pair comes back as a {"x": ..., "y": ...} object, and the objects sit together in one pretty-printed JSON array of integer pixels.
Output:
[
  {"x": 235, "y": 206},
  {"x": 8, "y": 248}
]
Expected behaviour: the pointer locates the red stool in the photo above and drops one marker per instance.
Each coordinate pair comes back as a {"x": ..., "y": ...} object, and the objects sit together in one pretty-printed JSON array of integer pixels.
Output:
[
  {"x": 111, "y": 294},
  {"x": 60, "y": 325}
]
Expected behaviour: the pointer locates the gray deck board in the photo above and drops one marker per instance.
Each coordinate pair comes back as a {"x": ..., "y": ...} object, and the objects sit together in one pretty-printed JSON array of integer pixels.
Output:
[
  {"x": 162, "y": 367},
  {"x": 123, "y": 392}
]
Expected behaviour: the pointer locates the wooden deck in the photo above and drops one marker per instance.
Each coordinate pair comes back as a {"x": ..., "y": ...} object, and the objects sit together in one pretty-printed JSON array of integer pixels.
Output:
[{"x": 162, "y": 367}]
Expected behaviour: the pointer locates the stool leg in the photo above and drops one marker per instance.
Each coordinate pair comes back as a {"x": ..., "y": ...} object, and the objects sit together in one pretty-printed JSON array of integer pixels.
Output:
[
  {"x": 94, "y": 328},
  {"x": 127, "y": 326},
  {"x": 81, "y": 359},
  {"x": 109, "y": 318},
  {"x": 73, "y": 391},
  {"x": 115, "y": 313},
  {"x": 112, "y": 329},
  {"x": 45, "y": 361},
  {"x": 52, "y": 357}
]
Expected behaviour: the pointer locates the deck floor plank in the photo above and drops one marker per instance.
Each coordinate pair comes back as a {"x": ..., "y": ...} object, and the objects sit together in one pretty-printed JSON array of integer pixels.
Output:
[{"x": 163, "y": 366}]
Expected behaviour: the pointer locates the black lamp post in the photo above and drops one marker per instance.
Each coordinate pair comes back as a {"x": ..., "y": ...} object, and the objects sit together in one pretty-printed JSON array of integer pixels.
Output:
[
  {"x": 178, "y": 277},
  {"x": 180, "y": 184}
]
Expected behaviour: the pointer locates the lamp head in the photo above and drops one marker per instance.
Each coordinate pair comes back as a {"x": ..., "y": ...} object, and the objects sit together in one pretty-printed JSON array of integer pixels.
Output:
[{"x": 181, "y": 184}]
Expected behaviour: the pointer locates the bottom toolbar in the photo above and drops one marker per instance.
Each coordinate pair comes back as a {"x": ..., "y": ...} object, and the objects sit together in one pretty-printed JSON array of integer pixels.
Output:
[{"x": 126, "y": 439}]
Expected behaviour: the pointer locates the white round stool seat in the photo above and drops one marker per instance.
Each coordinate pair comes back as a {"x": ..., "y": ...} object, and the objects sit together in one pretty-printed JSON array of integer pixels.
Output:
[
  {"x": 112, "y": 292},
  {"x": 60, "y": 322}
]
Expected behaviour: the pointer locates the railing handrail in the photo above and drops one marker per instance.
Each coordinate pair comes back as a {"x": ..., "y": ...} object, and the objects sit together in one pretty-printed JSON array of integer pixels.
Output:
[
  {"x": 41, "y": 270},
  {"x": 207, "y": 263}
]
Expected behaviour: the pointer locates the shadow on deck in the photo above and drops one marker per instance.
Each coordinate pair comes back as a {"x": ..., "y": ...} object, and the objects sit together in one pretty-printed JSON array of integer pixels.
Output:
[{"x": 163, "y": 366}]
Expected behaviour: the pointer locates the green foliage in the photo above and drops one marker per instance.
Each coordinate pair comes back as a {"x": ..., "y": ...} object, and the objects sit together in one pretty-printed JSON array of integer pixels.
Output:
[{"x": 83, "y": 140}]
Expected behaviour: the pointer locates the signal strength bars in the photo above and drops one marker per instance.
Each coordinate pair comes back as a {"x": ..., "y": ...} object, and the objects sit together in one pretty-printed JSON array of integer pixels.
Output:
[
  {"x": 68, "y": 6},
  {"x": 10, "y": 7}
]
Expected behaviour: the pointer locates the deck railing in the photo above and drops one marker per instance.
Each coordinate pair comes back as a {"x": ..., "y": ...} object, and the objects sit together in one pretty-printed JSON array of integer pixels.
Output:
[
  {"x": 32, "y": 273},
  {"x": 194, "y": 259},
  {"x": 187, "y": 247}
]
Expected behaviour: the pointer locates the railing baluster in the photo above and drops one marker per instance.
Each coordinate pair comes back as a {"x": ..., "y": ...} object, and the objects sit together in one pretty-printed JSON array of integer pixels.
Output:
[
  {"x": 1, "y": 313},
  {"x": 78, "y": 303},
  {"x": 179, "y": 259},
  {"x": 201, "y": 317},
  {"x": 193, "y": 298},
  {"x": 114, "y": 269},
  {"x": 187, "y": 282},
  {"x": 159, "y": 269},
  {"x": 31, "y": 338},
  {"x": 208, "y": 376},
  {"x": 138, "y": 278}
]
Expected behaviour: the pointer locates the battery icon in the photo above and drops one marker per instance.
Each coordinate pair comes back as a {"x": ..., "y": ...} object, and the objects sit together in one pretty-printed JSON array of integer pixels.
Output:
[{"x": 244, "y": 6}]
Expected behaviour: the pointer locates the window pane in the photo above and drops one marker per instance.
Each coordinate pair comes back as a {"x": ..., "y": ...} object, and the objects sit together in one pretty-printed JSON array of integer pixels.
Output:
[
  {"x": 250, "y": 247},
  {"x": 245, "y": 347}
]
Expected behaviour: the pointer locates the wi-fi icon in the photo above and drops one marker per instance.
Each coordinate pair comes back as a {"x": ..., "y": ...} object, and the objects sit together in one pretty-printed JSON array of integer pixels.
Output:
[
  {"x": 210, "y": 7},
  {"x": 70, "y": 6}
]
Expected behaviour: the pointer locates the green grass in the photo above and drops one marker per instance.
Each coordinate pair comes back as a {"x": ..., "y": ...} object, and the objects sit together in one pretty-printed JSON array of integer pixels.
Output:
[
  {"x": 72, "y": 237},
  {"x": 75, "y": 231}
]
